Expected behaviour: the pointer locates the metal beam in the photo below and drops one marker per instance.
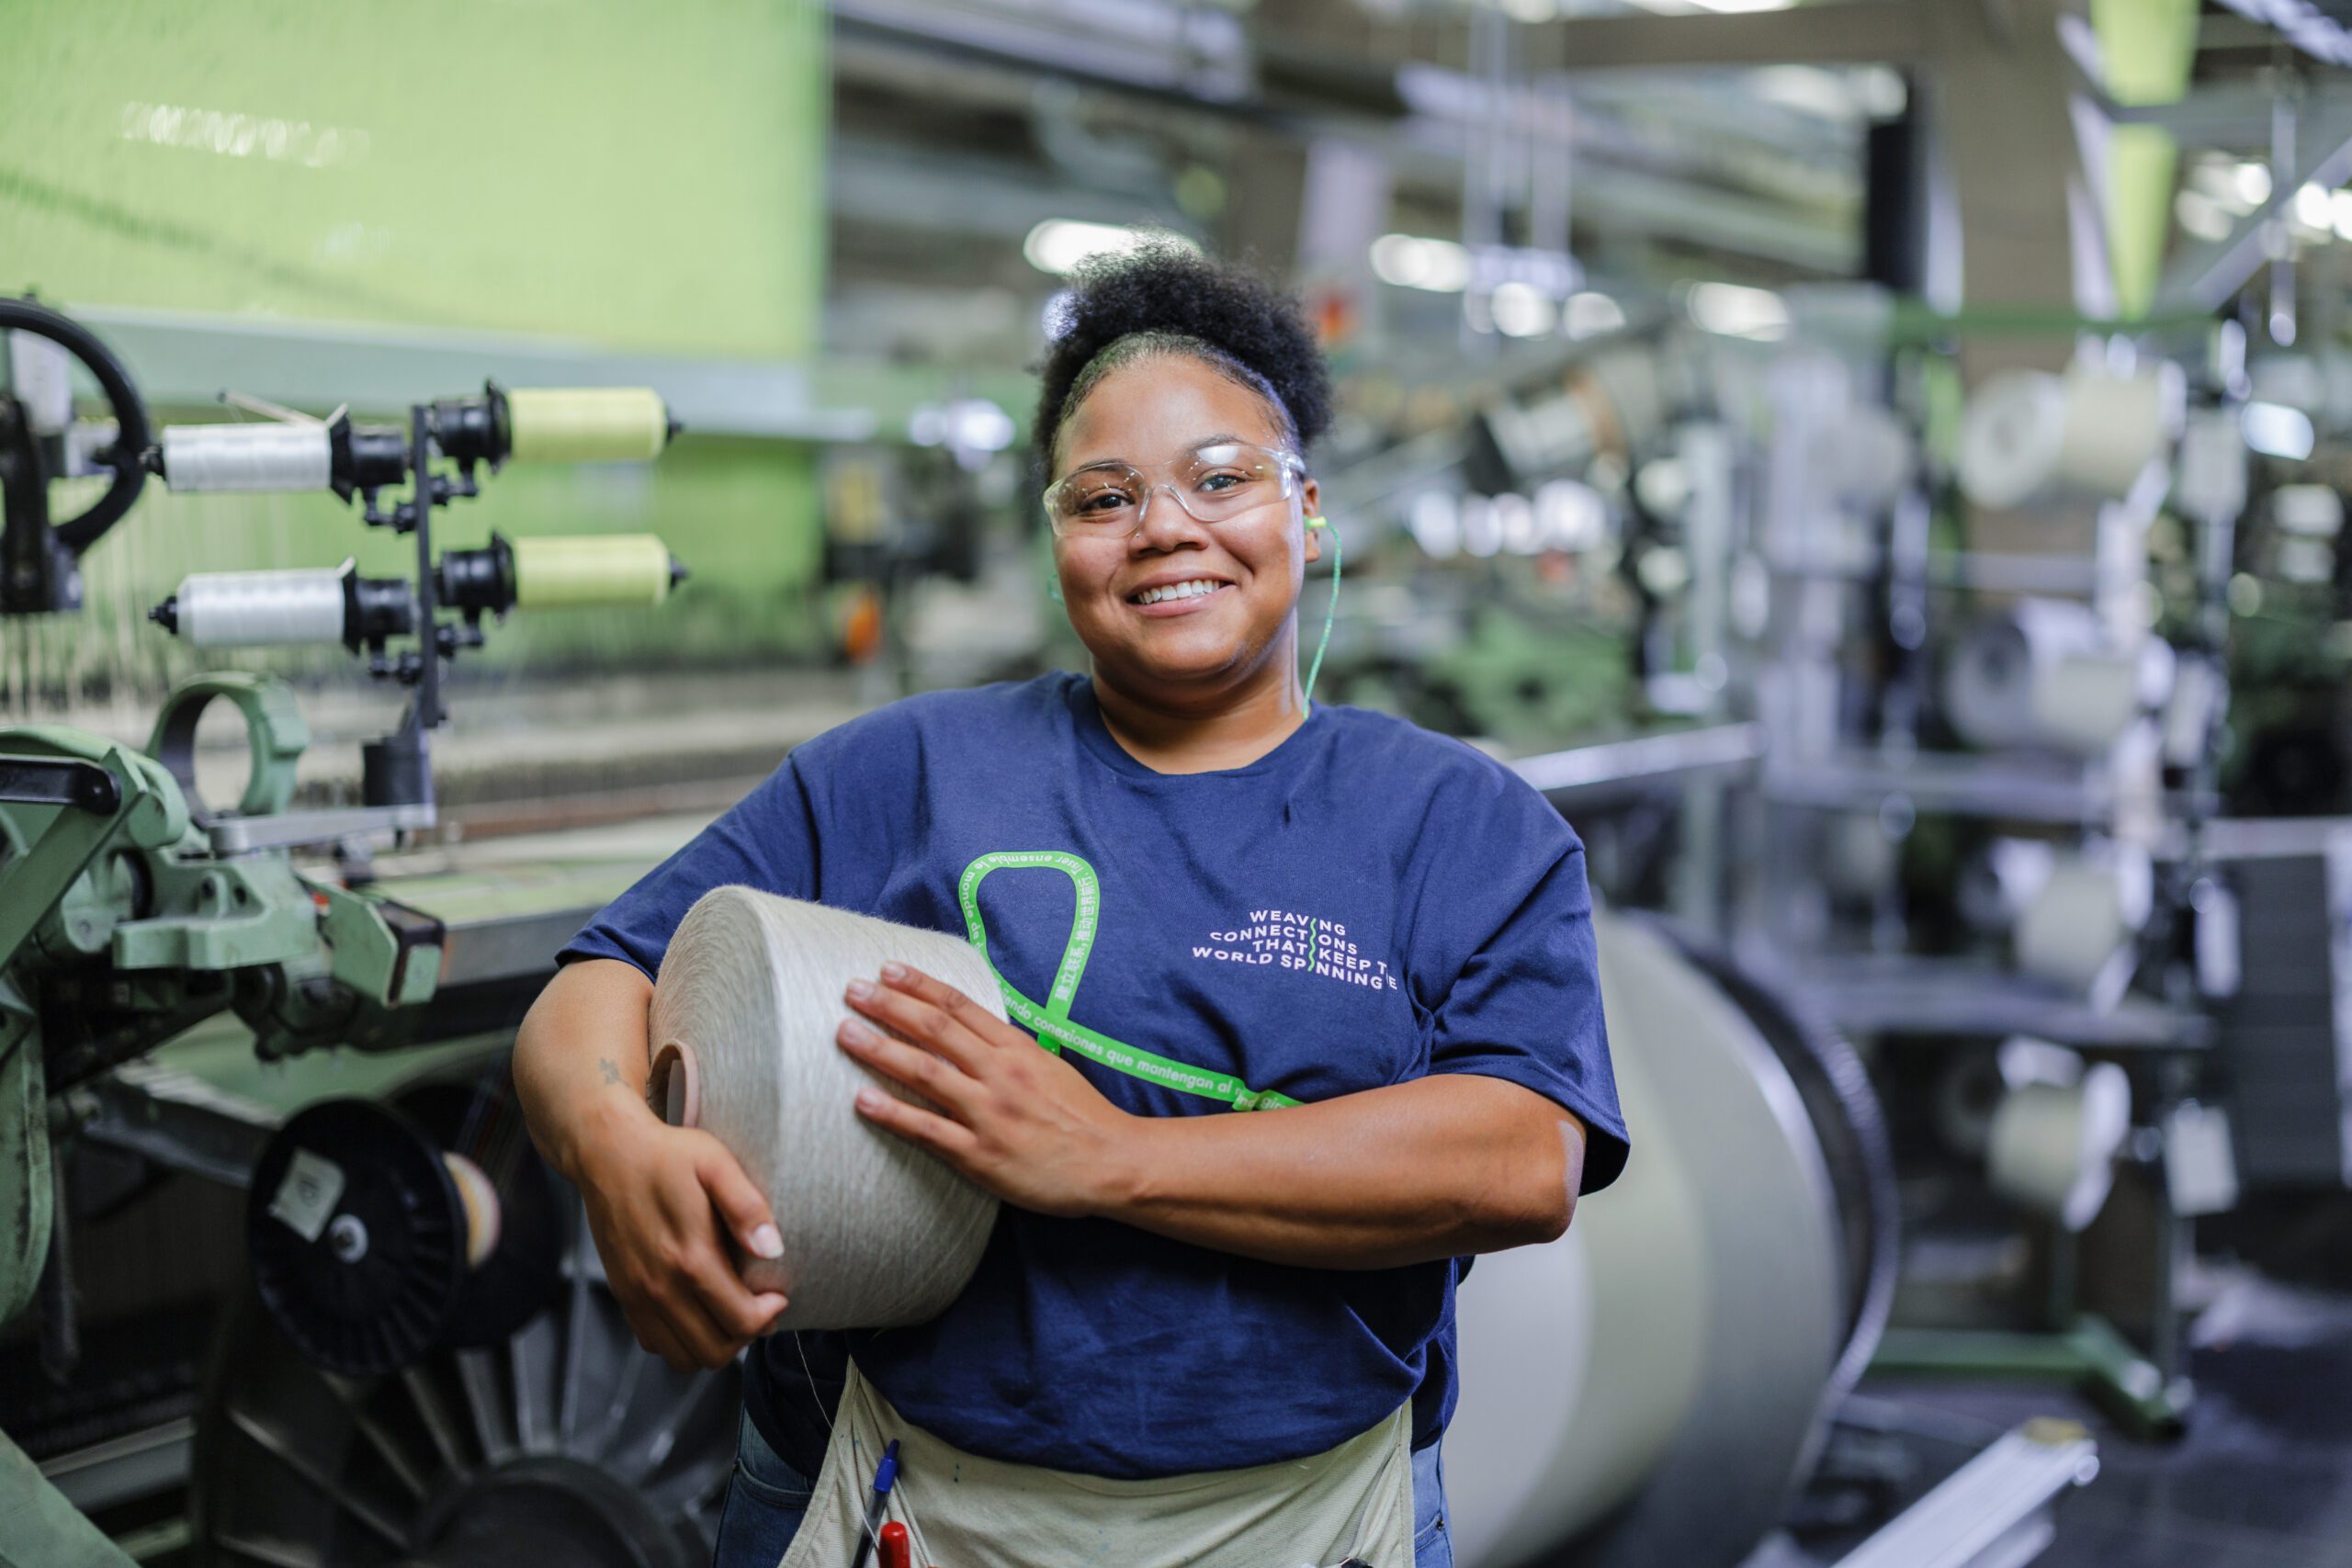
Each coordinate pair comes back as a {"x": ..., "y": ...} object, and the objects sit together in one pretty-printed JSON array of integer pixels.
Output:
[
  {"x": 186, "y": 358},
  {"x": 1837, "y": 32},
  {"x": 2235, "y": 115},
  {"x": 2205, "y": 274},
  {"x": 2300, "y": 24}
]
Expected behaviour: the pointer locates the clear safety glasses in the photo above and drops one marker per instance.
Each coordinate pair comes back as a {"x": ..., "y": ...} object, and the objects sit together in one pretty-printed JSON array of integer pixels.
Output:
[{"x": 1215, "y": 483}]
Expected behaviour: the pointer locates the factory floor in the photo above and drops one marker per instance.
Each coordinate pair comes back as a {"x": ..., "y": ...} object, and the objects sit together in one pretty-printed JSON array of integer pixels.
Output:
[{"x": 2261, "y": 1478}]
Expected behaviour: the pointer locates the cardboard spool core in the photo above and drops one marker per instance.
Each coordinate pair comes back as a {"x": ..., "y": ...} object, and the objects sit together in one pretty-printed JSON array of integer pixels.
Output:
[{"x": 677, "y": 1084}]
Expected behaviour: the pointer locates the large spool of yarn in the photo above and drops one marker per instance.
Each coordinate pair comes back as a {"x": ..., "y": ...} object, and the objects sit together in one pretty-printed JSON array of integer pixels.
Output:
[
  {"x": 2044, "y": 674},
  {"x": 2079, "y": 926},
  {"x": 2031, "y": 436},
  {"x": 2054, "y": 1141},
  {"x": 877, "y": 1232},
  {"x": 1650, "y": 1386}
]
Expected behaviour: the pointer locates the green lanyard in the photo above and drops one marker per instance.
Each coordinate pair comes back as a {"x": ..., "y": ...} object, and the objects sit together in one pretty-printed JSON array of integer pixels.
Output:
[{"x": 1051, "y": 1024}]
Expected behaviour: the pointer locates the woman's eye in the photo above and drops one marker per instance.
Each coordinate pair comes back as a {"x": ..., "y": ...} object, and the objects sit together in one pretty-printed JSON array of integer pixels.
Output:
[
  {"x": 1223, "y": 482},
  {"x": 1104, "y": 501}
]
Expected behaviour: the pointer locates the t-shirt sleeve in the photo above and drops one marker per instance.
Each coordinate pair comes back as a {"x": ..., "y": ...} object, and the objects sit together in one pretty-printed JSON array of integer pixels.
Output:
[
  {"x": 1525, "y": 1005},
  {"x": 767, "y": 841}
]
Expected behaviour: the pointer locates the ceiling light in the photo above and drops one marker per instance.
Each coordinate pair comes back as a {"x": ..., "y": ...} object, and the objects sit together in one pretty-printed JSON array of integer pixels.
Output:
[
  {"x": 1588, "y": 314},
  {"x": 1735, "y": 312},
  {"x": 1412, "y": 262},
  {"x": 1059, "y": 244},
  {"x": 2200, "y": 215},
  {"x": 2253, "y": 182},
  {"x": 1522, "y": 311},
  {"x": 2277, "y": 431}
]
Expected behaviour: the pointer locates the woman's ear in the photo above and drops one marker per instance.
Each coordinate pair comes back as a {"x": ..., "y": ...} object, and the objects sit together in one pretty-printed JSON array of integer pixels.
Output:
[{"x": 1310, "y": 506}]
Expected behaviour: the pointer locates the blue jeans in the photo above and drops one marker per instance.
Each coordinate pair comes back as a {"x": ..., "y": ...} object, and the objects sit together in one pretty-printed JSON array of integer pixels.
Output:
[{"x": 766, "y": 1498}]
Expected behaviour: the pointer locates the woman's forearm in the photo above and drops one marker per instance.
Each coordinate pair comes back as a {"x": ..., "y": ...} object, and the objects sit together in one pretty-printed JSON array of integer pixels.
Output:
[
  {"x": 580, "y": 1059},
  {"x": 1442, "y": 1167}
]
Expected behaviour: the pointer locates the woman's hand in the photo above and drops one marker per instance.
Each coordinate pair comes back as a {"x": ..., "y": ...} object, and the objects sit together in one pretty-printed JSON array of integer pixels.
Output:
[
  {"x": 656, "y": 1197},
  {"x": 1012, "y": 1116}
]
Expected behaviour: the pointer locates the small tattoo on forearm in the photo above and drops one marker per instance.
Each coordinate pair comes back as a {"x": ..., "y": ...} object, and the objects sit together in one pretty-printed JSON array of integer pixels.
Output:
[{"x": 611, "y": 1072}]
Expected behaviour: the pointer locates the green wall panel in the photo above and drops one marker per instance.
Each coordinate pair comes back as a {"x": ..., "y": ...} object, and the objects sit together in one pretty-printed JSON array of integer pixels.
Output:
[{"x": 647, "y": 176}]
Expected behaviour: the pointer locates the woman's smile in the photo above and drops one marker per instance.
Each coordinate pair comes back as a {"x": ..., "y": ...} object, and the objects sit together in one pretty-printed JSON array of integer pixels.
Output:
[{"x": 1180, "y": 596}]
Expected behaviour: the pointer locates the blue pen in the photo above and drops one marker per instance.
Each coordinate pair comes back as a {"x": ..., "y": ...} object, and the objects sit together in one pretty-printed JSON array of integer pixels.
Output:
[{"x": 886, "y": 1475}]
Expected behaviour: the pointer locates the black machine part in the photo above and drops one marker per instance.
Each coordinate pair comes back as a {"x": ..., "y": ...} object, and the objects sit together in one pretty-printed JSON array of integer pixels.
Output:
[
  {"x": 474, "y": 430},
  {"x": 553, "y": 1440},
  {"x": 358, "y": 1233},
  {"x": 36, "y": 555}
]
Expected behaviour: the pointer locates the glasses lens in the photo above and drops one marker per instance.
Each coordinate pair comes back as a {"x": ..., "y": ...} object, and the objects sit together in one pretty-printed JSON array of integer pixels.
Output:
[
  {"x": 1097, "y": 498},
  {"x": 1226, "y": 480}
]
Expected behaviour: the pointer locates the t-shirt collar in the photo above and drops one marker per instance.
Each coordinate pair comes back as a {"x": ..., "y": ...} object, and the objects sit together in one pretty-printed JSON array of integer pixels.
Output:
[{"x": 1086, "y": 718}]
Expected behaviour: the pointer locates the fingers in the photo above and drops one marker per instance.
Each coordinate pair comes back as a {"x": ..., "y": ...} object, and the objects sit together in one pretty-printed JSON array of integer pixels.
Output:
[
  {"x": 933, "y": 1077},
  {"x": 663, "y": 1245},
  {"x": 952, "y": 1141},
  {"x": 740, "y": 1204},
  {"x": 931, "y": 1013}
]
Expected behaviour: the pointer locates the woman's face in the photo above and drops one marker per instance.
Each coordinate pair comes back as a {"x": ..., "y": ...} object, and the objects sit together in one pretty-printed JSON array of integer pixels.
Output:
[{"x": 1148, "y": 414}]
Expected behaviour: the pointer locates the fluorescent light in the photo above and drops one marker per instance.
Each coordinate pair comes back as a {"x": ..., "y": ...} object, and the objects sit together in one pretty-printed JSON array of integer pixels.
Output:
[
  {"x": 1588, "y": 313},
  {"x": 1735, "y": 312},
  {"x": 2253, "y": 182},
  {"x": 2339, "y": 207},
  {"x": 2200, "y": 214},
  {"x": 2313, "y": 208},
  {"x": 1059, "y": 244},
  {"x": 1522, "y": 311},
  {"x": 2277, "y": 431},
  {"x": 1412, "y": 262}
]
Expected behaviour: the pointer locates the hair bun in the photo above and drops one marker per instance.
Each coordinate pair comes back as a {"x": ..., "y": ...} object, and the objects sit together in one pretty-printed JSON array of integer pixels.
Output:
[{"x": 1164, "y": 286}]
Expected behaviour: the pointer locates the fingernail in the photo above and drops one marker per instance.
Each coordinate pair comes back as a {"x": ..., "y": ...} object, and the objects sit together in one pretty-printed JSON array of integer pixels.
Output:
[
  {"x": 860, "y": 989},
  {"x": 869, "y": 1099},
  {"x": 893, "y": 971},
  {"x": 856, "y": 1034},
  {"x": 768, "y": 1242}
]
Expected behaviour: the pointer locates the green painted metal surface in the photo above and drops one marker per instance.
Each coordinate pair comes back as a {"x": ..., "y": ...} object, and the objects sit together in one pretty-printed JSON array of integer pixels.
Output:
[
  {"x": 2091, "y": 1356},
  {"x": 647, "y": 176},
  {"x": 2148, "y": 49},
  {"x": 275, "y": 733},
  {"x": 38, "y": 1528},
  {"x": 225, "y": 914}
]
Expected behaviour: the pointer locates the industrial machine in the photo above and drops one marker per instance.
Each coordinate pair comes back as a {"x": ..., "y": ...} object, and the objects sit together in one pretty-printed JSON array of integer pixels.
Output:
[
  {"x": 133, "y": 910},
  {"x": 427, "y": 1369}
]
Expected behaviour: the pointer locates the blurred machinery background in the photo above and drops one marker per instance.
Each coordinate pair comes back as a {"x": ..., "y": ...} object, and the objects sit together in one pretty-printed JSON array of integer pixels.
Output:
[{"x": 1873, "y": 463}]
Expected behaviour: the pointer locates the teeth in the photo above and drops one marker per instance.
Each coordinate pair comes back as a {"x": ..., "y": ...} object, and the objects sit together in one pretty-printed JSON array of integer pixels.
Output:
[{"x": 1192, "y": 590}]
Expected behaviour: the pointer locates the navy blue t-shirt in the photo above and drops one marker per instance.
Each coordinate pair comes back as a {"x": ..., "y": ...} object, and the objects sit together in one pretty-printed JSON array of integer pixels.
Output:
[{"x": 1366, "y": 904}]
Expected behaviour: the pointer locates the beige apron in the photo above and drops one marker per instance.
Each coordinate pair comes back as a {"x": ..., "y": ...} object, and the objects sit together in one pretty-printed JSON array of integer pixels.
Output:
[{"x": 964, "y": 1511}]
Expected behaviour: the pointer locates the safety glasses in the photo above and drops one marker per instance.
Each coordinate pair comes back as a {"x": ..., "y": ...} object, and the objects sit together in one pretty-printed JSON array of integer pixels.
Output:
[{"x": 1215, "y": 483}]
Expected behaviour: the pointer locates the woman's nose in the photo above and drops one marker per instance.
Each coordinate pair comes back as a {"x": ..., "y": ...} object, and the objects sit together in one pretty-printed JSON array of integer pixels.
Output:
[{"x": 1164, "y": 522}]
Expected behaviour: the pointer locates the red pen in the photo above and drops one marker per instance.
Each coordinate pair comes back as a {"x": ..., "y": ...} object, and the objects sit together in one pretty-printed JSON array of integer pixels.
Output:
[{"x": 897, "y": 1551}]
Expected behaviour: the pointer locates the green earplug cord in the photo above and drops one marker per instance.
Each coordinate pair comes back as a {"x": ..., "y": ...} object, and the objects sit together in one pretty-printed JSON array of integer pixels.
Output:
[{"x": 1329, "y": 610}]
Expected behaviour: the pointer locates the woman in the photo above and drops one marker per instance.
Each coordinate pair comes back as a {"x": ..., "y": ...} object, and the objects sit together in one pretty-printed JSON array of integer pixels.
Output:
[{"x": 1376, "y": 931}]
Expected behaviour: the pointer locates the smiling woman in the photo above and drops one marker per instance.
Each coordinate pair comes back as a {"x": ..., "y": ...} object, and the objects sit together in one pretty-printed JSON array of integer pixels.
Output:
[{"x": 1317, "y": 992}]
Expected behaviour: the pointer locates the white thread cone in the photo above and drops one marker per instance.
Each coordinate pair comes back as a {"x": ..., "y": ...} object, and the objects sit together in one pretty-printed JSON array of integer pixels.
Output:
[{"x": 877, "y": 1232}]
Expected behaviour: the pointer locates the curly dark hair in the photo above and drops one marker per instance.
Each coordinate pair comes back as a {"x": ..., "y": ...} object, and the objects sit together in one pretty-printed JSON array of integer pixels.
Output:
[{"x": 1164, "y": 299}]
